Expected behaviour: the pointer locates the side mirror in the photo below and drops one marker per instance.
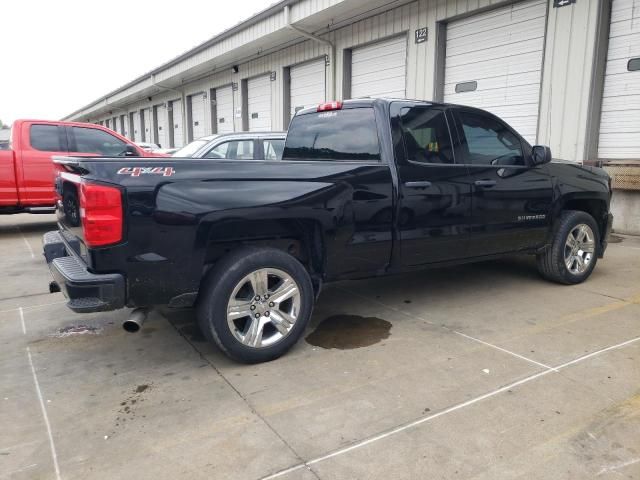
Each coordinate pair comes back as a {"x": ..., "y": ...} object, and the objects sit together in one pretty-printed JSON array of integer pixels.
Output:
[
  {"x": 131, "y": 151},
  {"x": 540, "y": 155}
]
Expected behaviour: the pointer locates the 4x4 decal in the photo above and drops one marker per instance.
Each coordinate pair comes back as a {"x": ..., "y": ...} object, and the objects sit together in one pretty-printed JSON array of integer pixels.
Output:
[{"x": 137, "y": 171}]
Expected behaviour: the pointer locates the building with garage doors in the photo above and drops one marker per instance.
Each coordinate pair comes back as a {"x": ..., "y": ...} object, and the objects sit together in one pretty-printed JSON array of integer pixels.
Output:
[{"x": 564, "y": 73}]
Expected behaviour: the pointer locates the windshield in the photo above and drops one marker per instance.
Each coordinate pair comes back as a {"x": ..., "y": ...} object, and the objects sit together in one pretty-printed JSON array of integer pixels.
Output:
[{"x": 190, "y": 149}]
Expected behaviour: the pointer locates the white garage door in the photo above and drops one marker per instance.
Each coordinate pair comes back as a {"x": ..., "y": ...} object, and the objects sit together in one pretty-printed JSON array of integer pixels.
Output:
[
  {"x": 198, "y": 115},
  {"x": 620, "y": 119},
  {"x": 307, "y": 85},
  {"x": 136, "y": 136},
  {"x": 123, "y": 125},
  {"x": 224, "y": 109},
  {"x": 163, "y": 122},
  {"x": 380, "y": 70},
  {"x": 178, "y": 131},
  {"x": 494, "y": 62},
  {"x": 146, "y": 116},
  {"x": 259, "y": 103}
]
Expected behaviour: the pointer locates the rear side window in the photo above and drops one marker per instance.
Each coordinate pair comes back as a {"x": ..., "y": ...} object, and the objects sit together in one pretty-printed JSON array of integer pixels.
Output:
[
  {"x": 349, "y": 134},
  {"x": 92, "y": 140},
  {"x": 273, "y": 149},
  {"x": 45, "y": 138},
  {"x": 426, "y": 135},
  {"x": 234, "y": 150}
]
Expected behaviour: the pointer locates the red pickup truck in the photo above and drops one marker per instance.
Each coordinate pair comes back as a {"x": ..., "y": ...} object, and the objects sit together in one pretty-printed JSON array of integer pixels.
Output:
[{"x": 27, "y": 169}]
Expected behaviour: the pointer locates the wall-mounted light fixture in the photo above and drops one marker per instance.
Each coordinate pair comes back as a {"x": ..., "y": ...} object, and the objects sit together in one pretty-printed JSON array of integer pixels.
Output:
[{"x": 235, "y": 69}]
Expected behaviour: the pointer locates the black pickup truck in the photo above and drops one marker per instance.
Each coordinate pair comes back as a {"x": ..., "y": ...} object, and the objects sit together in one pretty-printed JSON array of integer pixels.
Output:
[{"x": 365, "y": 188}]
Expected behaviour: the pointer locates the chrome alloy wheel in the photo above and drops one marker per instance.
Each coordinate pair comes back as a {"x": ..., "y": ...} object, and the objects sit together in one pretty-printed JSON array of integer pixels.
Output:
[
  {"x": 263, "y": 307},
  {"x": 579, "y": 249}
]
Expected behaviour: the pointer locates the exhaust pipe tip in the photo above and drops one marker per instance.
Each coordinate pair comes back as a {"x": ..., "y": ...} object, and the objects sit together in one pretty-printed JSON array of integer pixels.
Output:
[{"x": 135, "y": 321}]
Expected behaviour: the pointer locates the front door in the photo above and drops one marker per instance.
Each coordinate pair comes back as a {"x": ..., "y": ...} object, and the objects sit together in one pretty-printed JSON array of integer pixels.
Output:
[
  {"x": 435, "y": 195},
  {"x": 511, "y": 198}
]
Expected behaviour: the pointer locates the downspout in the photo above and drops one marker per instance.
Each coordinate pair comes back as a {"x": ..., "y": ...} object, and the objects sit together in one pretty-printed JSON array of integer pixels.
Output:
[
  {"x": 182, "y": 99},
  {"x": 332, "y": 51}
]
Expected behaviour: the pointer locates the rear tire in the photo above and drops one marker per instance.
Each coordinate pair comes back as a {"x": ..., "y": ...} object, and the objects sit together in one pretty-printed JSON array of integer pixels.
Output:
[
  {"x": 255, "y": 304},
  {"x": 574, "y": 250}
]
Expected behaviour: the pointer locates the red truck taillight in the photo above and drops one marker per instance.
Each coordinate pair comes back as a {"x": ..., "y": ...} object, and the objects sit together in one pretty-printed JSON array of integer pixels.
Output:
[{"x": 101, "y": 214}]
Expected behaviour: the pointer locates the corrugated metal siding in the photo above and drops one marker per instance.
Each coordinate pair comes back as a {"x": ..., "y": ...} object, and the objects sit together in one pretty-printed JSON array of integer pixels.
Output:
[
  {"x": 620, "y": 119},
  {"x": 566, "y": 79}
]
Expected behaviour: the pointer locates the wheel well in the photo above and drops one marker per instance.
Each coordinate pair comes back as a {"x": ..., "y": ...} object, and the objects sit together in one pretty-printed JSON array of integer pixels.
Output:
[
  {"x": 596, "y": 208},
  {"x": 301, "y": 238}
]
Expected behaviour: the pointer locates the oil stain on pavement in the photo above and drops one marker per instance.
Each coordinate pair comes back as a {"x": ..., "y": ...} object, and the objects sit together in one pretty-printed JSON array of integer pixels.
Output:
[{"x": 345, "y": 332}]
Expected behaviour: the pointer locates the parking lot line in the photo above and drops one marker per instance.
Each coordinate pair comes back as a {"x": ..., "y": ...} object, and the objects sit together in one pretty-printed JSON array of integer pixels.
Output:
[
  {"x": 503, "y": 350},
  {"x": 446, "y": 411},
  {"x": 33, "y": 255},
  {"x": 24, "y": 327},
  {"x": 54, "y": 455},
  {"x": 15, "y": 309},
  {"x": 469, "y": 337}
]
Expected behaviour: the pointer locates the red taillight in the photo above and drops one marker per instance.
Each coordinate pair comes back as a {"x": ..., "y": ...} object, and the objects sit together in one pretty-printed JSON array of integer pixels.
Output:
[
  {"x": 101, "y": 214},
  {"x": 325, "y": 107}
]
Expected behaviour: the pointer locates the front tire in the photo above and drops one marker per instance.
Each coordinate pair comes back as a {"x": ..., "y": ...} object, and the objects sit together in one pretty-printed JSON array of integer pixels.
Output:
[
  {"x": 255, "y": 304},
  {"x": 574, "y": 250}
]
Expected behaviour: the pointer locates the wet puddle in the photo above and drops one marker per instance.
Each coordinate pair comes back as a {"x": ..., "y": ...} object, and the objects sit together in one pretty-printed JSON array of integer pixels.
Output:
[{"x": 345, "y": 332}]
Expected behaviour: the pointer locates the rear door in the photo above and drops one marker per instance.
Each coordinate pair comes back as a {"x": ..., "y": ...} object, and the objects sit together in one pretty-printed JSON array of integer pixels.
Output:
[
  {"x": 343, "y": 146},
  {"x": 435, "y": 195},
  {"x": 511, "y": 199},
  {"x": 35, "y": 165}
]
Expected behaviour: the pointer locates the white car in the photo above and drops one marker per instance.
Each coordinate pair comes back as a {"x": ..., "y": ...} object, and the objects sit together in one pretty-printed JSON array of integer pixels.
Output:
[{"x": 236, "y": 146}]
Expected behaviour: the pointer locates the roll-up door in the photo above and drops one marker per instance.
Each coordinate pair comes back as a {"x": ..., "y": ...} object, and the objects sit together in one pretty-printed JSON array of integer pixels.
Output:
[
  {"x": 146, "y": 114},
  {"x": 224, "y": 109},
  {"x": 162, "y": 119},
  {"x": 123, "y": 125},
  {"x": 380, "y": 69},
  {"x": 620, "y": 117},
  {"x": 494, "y": 61},
  {"x": 259, "y": 103},
  {"x": 178, "y": 131},
  {"x": 136, "y": 135},
  {"x": 307, "y": 85},
  {"x": 198, "y": 112}
]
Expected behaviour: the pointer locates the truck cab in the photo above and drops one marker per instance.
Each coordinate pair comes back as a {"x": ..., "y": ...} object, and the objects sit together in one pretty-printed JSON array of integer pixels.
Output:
[{"x": 27, "y": 170}]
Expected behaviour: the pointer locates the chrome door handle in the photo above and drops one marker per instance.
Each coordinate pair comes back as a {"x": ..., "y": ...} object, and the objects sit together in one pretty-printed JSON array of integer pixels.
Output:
[{"x": 424, "y": 184}]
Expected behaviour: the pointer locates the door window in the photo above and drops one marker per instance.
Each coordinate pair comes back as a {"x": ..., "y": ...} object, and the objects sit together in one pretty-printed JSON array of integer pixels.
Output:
[
  {"x": 273, "y": 149},
  {"x": 92, "y": 140},
  {"x": 45, "y": 138},
  {"x": 235, "y": 150},
  {"x": 426, "y": 135},
  {"x": 489, "y": 142}
]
